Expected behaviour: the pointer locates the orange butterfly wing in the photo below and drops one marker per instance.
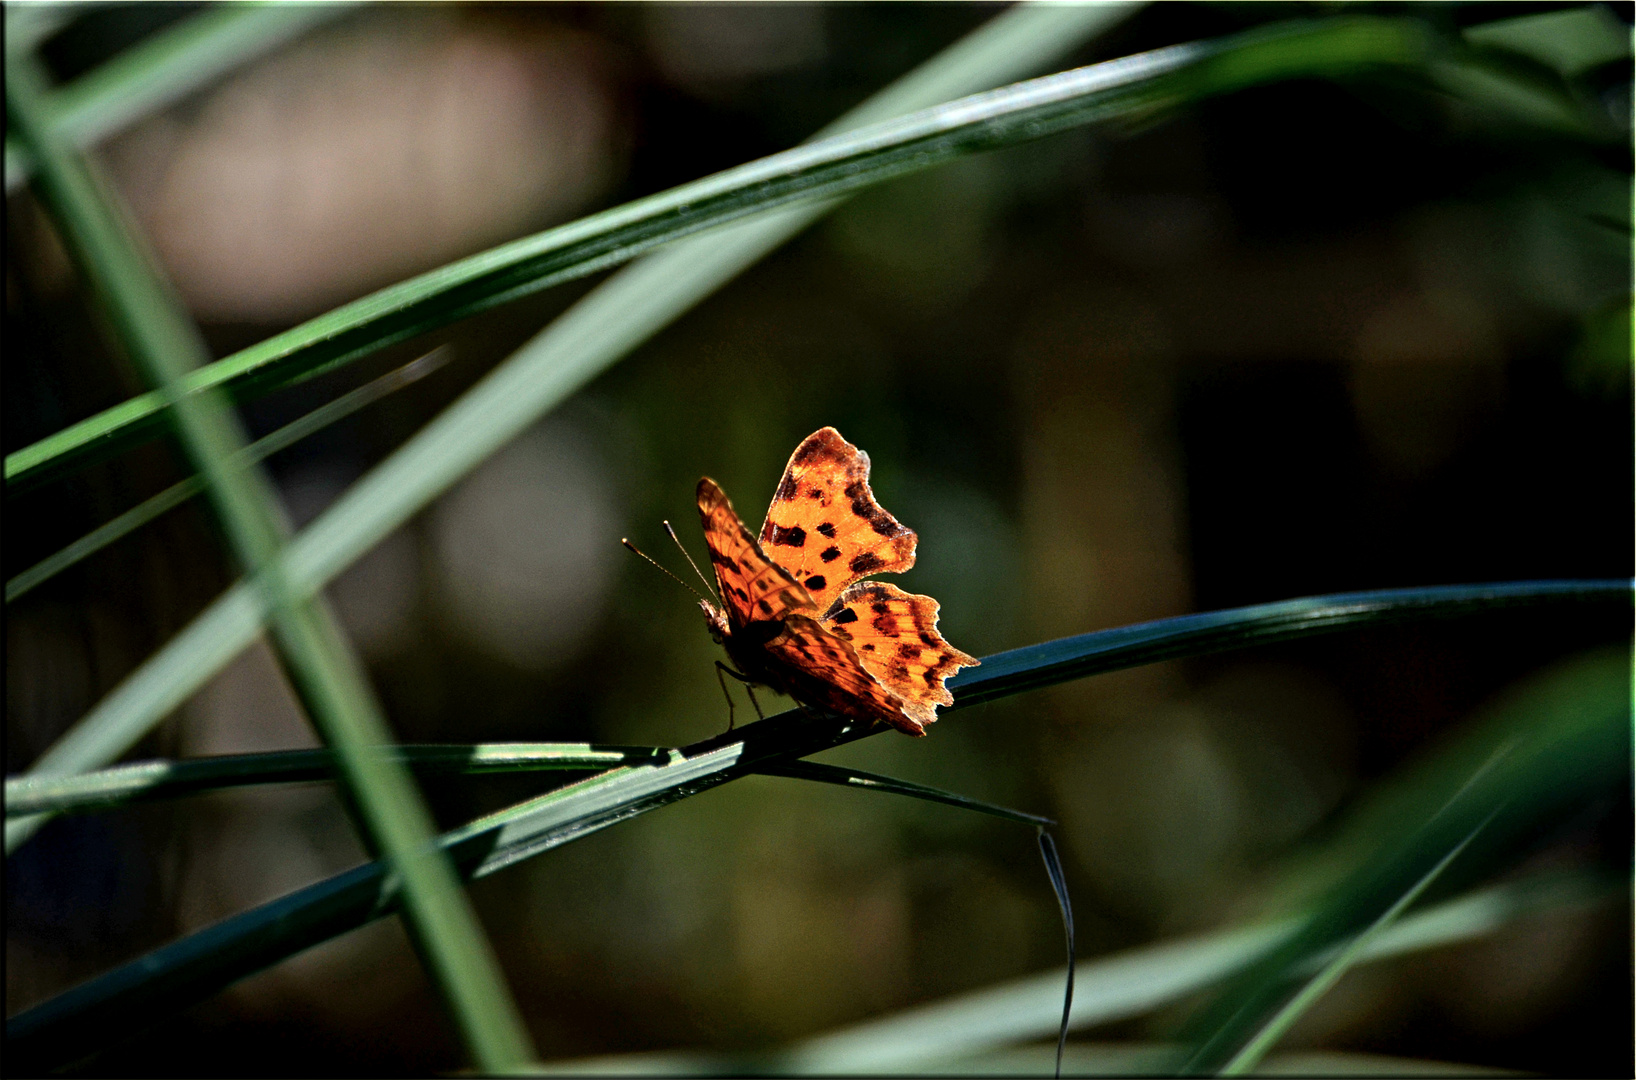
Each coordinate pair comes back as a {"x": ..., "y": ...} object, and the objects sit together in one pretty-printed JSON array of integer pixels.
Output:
[
  {"x": 822, "y": 669},
  {"x": 894, "y": 635},
  {"x": 875, "y": 653},
  {"x": 753, "y": 587},
  {"x": 824, "y": 525}
]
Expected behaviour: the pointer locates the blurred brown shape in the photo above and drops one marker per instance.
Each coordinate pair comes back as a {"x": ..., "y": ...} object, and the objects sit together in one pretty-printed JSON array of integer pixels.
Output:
[{"x": 382, "y": 147}]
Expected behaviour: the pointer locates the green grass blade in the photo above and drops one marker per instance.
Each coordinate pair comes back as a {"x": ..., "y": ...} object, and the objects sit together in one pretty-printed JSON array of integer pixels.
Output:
[
  {"x": 27, "y": 25},
  {"x": 211, "y": 640},
  {"x": 148, "y": 781},
  {"x": 1257, "y": 1046},
  {"x": 615, "y": 317},
  {"x": 183, "y": 490},
  {"x": 866, "y": 781},
  {"x": 842, "y": 163},
  {"x": 198, "y": 965},
  {"x": 155, "y": 331},
  {"x": 1561, "y": 739},
  {"x": 166, "y": 68}
]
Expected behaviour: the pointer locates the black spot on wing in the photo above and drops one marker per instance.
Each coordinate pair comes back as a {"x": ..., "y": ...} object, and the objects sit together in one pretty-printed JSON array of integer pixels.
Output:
[
  {"x": 880, "y": 607},
  {"x": 909, "y": 652},
  {"x": 827, "y": 529},
  {"x": 794, "y": 536},
  {"x": 830, "y": 554},
  {"x": 928, "y": 638},
  {"x": 885, "y": 525},
  {"x": 816, "y": 583},
  {"x": 862, "y": 505},
  {"x": 867, "y": 562},
  {"x": 868, "y": 648},
  {"x": 787, "y": 489},
  {"x": 724, "y": 560},
  {"x": 847, "y": 615},
  {"x": 766, "y": 608}
]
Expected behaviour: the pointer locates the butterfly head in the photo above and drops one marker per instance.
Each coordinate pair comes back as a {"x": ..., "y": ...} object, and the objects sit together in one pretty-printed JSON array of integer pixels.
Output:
[{"x": 715, "y": 620}]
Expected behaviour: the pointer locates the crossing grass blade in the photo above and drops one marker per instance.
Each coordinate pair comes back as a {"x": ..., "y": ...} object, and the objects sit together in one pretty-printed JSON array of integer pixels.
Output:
[
  {"x": 1249, "y": 1055},
  {"x": 263, "y": 448},
  {"x": 614, "y": 318},
  {"x": 1556, "y": 743},
  {"x": 154, "y": 330},
  {"x": 160, "y": 70},
  {"x": 1585, "y": 740},
  {"x": 1133, "y": 87}
]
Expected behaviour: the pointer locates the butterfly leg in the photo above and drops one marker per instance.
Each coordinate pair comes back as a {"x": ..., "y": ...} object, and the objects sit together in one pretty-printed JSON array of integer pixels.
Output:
[{"x": 749, "y": 688}]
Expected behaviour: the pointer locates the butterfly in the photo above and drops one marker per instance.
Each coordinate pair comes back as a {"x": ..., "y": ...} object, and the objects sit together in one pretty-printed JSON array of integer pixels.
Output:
[{"x": 795, "y": 615}]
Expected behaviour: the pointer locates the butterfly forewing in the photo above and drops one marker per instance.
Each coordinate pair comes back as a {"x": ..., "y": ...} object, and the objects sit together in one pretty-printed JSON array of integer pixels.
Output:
[
  {"x": 753, "y": 587},
  {"x": 824, "y": 525},
  {"x": 894, "y": 634}
]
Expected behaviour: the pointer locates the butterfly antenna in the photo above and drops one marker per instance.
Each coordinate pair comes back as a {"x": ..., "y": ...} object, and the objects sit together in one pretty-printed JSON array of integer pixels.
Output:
[
  {"x": 689, "y": 558},
  {"x": 655, "y": 564}
]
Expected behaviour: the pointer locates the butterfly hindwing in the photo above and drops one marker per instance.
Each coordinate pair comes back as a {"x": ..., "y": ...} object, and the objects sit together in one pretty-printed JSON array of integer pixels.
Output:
[
  {"x": 824, "y": 525},
  {"x": 822, "y": 668},
  {"x": 753, "y": 587},
  {"x": 894, "y": 634}
]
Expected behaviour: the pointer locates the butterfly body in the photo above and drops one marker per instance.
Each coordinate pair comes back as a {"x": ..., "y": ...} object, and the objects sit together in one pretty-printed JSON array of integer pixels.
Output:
[{"x": 795, "y": 614}]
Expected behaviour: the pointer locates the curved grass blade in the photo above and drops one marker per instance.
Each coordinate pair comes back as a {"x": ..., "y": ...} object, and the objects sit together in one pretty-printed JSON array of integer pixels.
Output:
[
  {"x": 198, "y": 965},
  {"x": 846, "y": 777},
  {"x": 857, "y": 778},
  {"x": 1001, "y": 674},
  {"x": 263, "y": 448},
  {"x": 1133, "y": 86},
  {"x": 612, "y": 319},
  {"x": 165, "y": 68},
  {"x": 1008, "y": 673},
  {"x": 149, "y": 781},
  {"x": 1059, "y": 885},
  {"x": 156, "y": 333},
  {"x": 1106, "y": 650}
]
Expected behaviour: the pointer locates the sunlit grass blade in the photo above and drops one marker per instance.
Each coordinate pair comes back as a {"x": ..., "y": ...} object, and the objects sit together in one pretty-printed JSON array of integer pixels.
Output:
[
  {"x": 1133, "y": 86},
  {"x": 155, "y": 332},
  {"x": 148, "y": 781},
  {"x": 164, "y": 68},
  {"x": 1249, "y": 1055},
  {"x": 180, "y": 492},
  {"x": 1081, "y": 1059},
  {"x": 612, "y": 319},
  {"x": 197, "y": 965},
  {"x": 865, "y": 781}
]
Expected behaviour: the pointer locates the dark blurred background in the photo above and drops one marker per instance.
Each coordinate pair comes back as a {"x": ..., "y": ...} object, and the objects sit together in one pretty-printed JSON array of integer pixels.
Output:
[{"x": 1305, "y": 338}]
